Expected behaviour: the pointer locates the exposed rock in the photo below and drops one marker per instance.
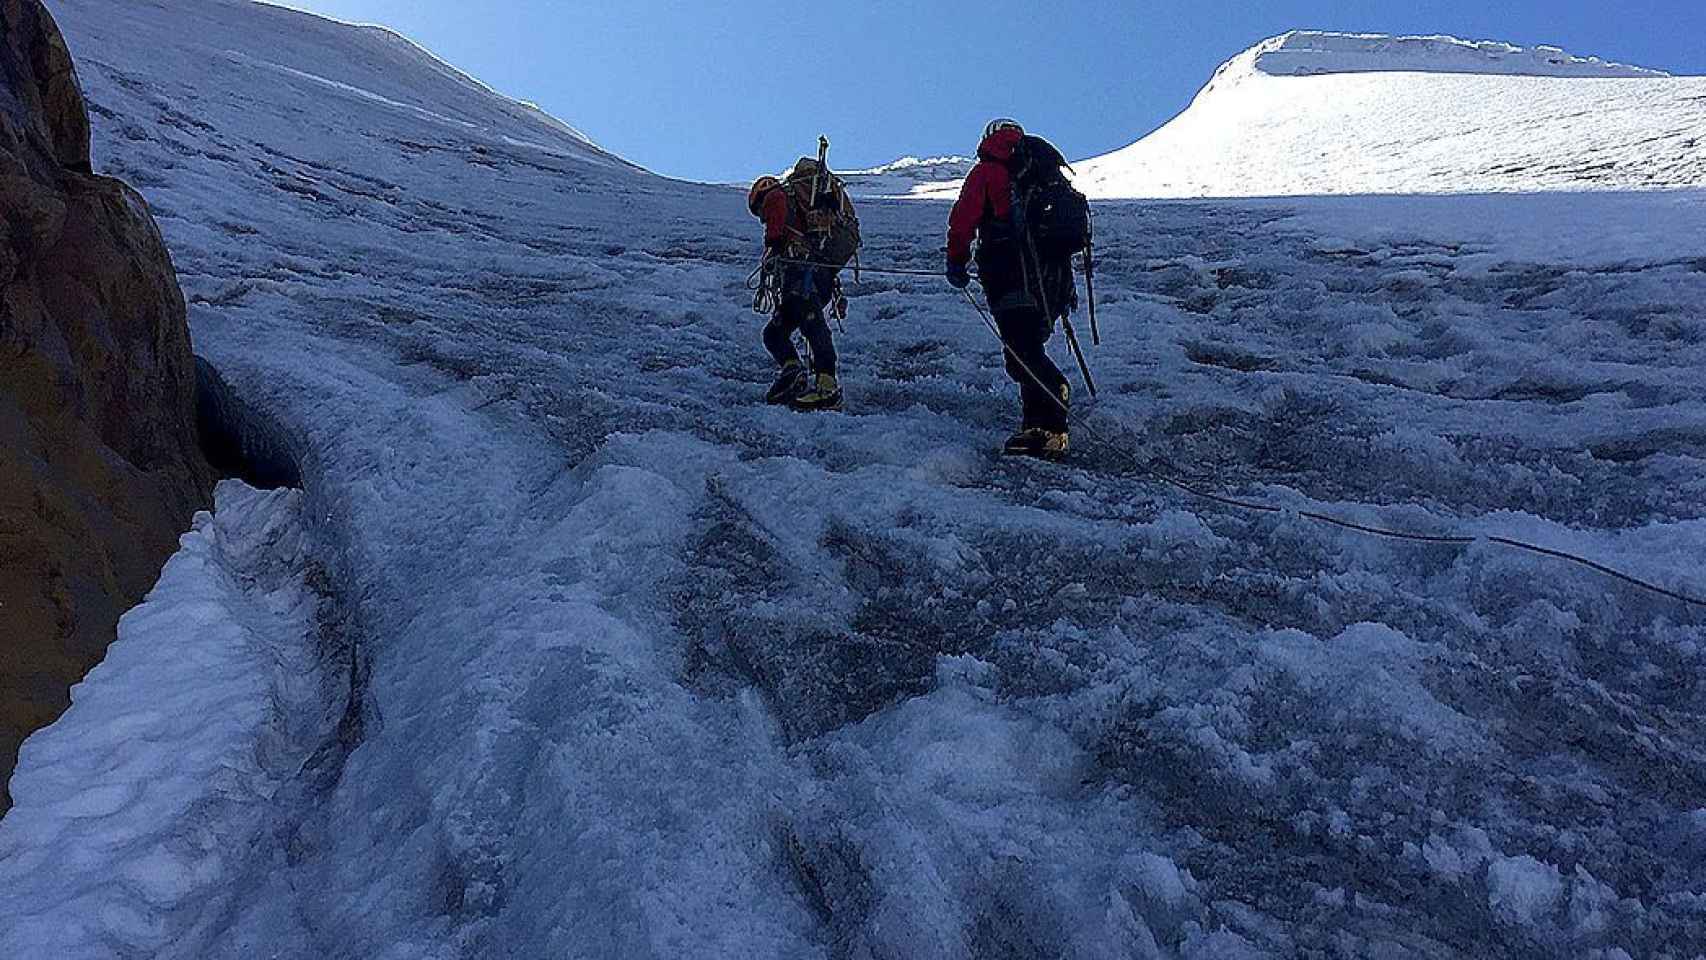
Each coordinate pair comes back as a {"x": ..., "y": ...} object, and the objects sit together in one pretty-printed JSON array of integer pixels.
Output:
[
  {"x": 41, "y": 97},
  {"x": 99, "y": 466}
]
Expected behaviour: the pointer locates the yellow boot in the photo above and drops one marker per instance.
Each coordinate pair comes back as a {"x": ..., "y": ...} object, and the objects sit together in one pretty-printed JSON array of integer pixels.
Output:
[{"x": 823, "y": 393}]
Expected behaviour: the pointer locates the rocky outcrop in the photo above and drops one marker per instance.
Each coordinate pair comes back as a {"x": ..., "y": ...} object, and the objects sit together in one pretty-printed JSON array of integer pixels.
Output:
[{"x": 99, "y": 466}]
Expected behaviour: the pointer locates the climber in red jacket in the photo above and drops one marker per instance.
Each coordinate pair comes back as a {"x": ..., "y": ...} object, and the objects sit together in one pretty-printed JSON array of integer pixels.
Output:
[
  {"x": 1016, "y": 296},
  {"x": 806, "y": 291}
]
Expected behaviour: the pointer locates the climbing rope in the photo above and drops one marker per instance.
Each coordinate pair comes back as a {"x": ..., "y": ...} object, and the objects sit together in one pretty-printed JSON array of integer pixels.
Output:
[
  {"x": 1252, "y": 506},
  {"x": 1315, "y": 515},
  {"x": 884, "y": 271}
]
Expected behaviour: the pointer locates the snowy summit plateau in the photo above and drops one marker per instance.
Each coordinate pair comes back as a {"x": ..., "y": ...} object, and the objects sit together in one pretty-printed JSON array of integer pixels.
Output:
[{"x": 1329, "y": 113}]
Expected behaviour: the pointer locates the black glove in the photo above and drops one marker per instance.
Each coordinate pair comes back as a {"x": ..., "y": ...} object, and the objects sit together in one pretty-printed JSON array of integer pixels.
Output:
[{"x": 957, "y": 276}]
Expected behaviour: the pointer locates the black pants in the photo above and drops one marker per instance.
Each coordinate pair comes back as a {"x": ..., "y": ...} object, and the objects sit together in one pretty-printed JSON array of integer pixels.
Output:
[
  {"x": 1026, "y": 332},
  {"x": 806, "y": 317}
]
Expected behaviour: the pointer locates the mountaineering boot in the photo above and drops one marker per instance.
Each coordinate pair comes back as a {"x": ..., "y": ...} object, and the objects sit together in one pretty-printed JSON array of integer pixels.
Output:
[
  {"x": 1051, "y": 445},
  {"x": 1037, "y": 442},
  {"x": 823, "y": 394},
  {"x": 788, "y": 384}
]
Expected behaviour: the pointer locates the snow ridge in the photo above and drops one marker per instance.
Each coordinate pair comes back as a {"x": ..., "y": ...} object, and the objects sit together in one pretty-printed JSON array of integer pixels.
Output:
[
  {"x": 1310, "y": 53},
  {"x": 432, "y": 61},
  {"x": 1312, "y": 112},
  {"x": 910, "y": 165},
  {"x": 908, "y": 177},
  {"x": 378, "y": 64},
  {"x": 1317, "y": 113},
  {"x": 176, "y": 747}
]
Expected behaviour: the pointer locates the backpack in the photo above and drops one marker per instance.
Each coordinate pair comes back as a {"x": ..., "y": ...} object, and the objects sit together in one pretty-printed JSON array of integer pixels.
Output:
[
  {"x": 829, "y": 227},
  {"x": 1047, "y": 210}
]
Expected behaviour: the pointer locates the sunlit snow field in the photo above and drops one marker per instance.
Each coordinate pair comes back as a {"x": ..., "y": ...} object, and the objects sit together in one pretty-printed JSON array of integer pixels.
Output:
[{"x": 646, "y": 668}]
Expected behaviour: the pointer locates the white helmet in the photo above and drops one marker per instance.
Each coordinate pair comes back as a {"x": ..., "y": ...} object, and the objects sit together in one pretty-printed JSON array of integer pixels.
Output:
[{"x": 999, "y": 124}]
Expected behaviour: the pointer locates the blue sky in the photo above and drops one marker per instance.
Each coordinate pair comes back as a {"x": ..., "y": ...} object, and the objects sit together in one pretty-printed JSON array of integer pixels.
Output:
[{"x": 720, "y": 91}]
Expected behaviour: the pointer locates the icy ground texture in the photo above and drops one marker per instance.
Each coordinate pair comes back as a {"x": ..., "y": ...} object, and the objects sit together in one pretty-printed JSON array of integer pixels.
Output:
[
  {"x": 139, "y": 807},
  {"x": 654, "y": 670}
]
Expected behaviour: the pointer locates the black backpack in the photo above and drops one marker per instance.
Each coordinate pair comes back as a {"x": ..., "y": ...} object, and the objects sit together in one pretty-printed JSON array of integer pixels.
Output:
[{"x": 1048, "y": 212}]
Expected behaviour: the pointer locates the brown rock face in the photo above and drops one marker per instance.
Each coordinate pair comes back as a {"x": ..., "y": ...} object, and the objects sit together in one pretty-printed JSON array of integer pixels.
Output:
[{"x": 99, "y": 468}]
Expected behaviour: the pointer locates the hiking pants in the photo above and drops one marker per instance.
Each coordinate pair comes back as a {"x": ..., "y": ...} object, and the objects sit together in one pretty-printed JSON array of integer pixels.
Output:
[
  {"x": 806, "y": 317},
  {"x": 1026, "y": 332}
]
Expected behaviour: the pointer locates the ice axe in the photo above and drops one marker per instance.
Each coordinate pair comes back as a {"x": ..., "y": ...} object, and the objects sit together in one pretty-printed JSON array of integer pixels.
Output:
[{"x": 822, "y": 167}]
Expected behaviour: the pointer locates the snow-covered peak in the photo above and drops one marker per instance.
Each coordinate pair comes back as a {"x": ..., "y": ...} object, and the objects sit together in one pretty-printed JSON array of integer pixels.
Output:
[
  {"x": 1311, "y": 112},
  {"x": 340, "y": 66},
  {"x": 909, "y": 177},
  {"x": 910, "y": 165},
  {"x": 1312, "y": 52},
  {"x": 1326, "y": 113}
]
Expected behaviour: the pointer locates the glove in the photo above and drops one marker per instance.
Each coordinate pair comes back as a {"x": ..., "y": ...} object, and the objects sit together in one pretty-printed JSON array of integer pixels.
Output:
[{"x": 957, "y": 276}]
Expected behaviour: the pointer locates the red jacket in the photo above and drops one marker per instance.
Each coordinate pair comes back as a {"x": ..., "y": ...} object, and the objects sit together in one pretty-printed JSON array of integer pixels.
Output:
[
  {"x": 775, "y": 214},
  {"x": 986, "y": 195}
]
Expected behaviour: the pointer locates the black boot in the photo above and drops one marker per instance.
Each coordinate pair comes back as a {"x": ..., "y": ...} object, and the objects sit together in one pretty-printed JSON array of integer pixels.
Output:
[
  {"x": 788, "y": 384},
  {"x": 1021, "y": 444},
  {"x": 1037, "y": 442}
]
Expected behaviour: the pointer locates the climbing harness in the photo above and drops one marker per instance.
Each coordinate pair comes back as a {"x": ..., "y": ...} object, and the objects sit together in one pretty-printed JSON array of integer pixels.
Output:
[{"x": 766, "y": 284}]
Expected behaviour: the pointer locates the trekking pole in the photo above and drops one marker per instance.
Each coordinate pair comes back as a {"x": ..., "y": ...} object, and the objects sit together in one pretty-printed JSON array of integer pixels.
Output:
[
  {"x": 1077, "y": 352},
  {"x": 1090, "y": 289},
  {"x": 1065, "y": 321},
  {"x": 1024, "y": 367}
]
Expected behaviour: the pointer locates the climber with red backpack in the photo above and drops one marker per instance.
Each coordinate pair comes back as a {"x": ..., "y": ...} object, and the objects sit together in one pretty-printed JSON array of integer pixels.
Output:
[
  {"x": 1028, "y": 223},
  {"x": 810, "y": 233}
]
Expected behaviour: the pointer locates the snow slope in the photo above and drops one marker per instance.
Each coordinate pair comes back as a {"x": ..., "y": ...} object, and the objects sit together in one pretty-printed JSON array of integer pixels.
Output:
[
  {"x": 645, "y": 668},
  {"x": 1304, "y": 53},
  {"x": 907, "y": 177},
  {"x": 1313, "y": 113},
  {"x": 174, "y": 760},
  {"x": 340, "y": 73}
]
